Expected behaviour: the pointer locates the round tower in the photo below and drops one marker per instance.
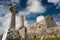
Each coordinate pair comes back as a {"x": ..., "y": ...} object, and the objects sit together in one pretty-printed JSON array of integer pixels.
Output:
[{"x": 21, "y": 20}]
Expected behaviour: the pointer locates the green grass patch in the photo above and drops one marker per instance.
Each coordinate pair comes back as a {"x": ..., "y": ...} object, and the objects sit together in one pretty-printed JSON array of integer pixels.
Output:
[
  {"x": 31, "y": 39},
  {"x": 52, "y": 39},
  {"x": 39, "y": 39}
]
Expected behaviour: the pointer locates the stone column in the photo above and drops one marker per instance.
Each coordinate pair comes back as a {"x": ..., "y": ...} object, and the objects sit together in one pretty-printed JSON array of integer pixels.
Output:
[
  {"x": 21, "y": 20},
  {"x": 12, "y": 25},
  {"x": 12, "y": 33},
  {"x": 23, "y": 28},
  {"x": 14, "y": 11}
]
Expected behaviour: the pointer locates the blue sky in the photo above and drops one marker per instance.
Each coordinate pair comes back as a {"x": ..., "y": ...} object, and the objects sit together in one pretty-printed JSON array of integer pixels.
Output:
[{"x": 31, "y": 10}]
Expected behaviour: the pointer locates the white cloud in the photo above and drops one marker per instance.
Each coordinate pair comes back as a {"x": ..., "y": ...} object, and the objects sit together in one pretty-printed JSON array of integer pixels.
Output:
[
  {"x": 57, "y": 18},
  {"x": 5, "y": 22},
  {"x": 35, "y": 6},
  {"x": 3, "y": 9},
  {"x": 17, "y": 1},
  {"x": 7, "y": 19},
  {"x": 24, "y": 12},
  {"x": 58, "y": 23},
  {"x": 40, "y": 18},
  {"x": 17, "y": 22},
  {"x": 53, "y": 1},
  {"x": 26, "y": 24},
  {"x": 58, "y": 5}
]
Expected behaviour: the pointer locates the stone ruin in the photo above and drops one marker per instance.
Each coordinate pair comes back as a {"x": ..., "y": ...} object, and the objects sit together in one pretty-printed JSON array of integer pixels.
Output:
[
  {"x": 50, "y": 21},
  {"x": 46, "y": 27}
]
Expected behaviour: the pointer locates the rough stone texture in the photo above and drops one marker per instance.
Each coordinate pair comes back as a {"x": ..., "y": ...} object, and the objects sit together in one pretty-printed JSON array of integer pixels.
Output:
[
  {"x": 13, "y": 9},
  {"x": 36, "y": 29},
  {"x": 23, "y": 32},
  {"x": 46, "y": 27},
  {"x": 12, "y": 34},
  {"x": 50, "y": 21}
]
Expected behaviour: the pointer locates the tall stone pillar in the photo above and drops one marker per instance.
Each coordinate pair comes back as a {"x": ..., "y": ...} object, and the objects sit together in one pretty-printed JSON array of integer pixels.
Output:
[
  {"x": 14, "y": 11},
  {"x": 13, "y": 34},
  {"x": 12, "y": 25},
  {"x": 22, "y": 29},
  {"x": 21, "y": 20}
]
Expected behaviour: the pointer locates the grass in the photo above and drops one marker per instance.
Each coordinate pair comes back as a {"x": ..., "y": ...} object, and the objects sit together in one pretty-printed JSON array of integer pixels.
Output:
[
  {"x": 45, "y": 39},
  {"x": 32, "y": 39},
  {"x": 52, "y": 38}
]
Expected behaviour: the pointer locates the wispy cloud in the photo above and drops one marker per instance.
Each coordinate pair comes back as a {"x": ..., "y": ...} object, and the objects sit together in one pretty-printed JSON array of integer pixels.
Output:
[
  {"x": 4, "y": 18},
  {"x": 57, "y": 18},
  {"x": 16, "y": 1},
  {"x": 58, "y": 5},
  {"x": 58, "y": 23},
  {"x": 35, "y": 6},
  {"x": 53, "y": 1},
  {"x": 3, "y": 10},
  {"x": 5, "y": 22}
]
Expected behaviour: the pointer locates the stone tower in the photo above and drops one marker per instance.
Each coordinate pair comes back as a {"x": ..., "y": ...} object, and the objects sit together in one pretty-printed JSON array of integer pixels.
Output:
[
  {"x": 14, "y": 11},
  {"x": 22, "y": 29},
  {"x": 21, "y": 20},
  {"x": 12, "y": 33}
]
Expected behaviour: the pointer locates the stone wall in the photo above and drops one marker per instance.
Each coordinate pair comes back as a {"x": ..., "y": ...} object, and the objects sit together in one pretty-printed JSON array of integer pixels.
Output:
[{"x": 46, "y": 27}]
